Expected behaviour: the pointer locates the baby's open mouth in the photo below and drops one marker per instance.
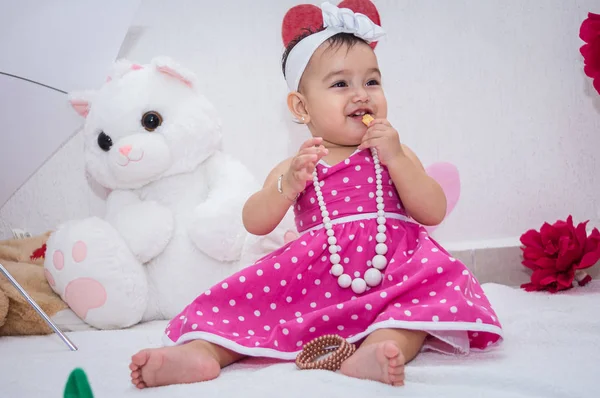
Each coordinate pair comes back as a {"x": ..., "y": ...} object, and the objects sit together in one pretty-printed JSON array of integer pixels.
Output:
[{"x": 359, "y": 113}]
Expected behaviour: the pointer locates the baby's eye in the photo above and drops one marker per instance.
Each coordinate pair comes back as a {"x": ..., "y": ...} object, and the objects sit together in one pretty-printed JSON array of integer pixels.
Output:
[
  {"x": 339, "y": 84},
  {"x": 373, "y": 82}
]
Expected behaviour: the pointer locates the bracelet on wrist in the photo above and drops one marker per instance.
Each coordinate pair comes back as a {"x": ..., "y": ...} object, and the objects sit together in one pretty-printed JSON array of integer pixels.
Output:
[{"x": 280, "y": 190}]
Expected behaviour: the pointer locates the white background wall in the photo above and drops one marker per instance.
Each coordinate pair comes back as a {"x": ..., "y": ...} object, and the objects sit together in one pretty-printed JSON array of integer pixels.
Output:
[
  {"x": 47, "y": 43},
  {"x": 495, "y": 87}
]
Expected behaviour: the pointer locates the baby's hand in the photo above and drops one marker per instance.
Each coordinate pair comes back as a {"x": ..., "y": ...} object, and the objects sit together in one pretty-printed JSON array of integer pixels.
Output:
[
  {"x": 303, "y": 165},
  {"x": 382, "y": 136}
]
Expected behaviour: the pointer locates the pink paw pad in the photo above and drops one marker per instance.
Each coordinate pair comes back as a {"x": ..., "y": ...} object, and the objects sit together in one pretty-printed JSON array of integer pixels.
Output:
[
  {"x": 49, "y": 278},
  {"x": 58, "y": 258},
  {"x": 79, "y": 251},
  {"x": 84, "y": 294}
]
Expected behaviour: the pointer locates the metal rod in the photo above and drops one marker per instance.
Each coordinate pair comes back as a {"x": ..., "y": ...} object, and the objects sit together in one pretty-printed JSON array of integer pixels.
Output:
[{"x": 37, "y": 308}]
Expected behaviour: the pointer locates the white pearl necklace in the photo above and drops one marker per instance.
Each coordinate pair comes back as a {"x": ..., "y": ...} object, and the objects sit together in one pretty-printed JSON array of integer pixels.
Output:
[{"x": 372, "y": 276}]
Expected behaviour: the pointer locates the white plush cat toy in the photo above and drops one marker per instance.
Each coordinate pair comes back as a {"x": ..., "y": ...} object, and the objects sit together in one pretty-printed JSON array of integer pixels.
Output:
[{"x": 173, "y": 224}]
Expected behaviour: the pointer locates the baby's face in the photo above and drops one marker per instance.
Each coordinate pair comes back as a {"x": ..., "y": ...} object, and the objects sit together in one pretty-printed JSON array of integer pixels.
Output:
[{"x": 340, "y": 85}]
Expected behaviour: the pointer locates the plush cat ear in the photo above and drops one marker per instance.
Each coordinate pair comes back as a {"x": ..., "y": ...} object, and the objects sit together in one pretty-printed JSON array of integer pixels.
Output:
[
  {"x": 120, "y": 68},
  {"x": 81, "y": 101},
  {"x": 170, "y": 68},
  {"x": 446, "y": 174}
]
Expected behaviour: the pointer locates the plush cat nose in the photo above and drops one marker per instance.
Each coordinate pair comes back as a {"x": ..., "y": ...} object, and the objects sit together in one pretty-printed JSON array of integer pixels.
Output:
[{"x": 125, "y": 149}]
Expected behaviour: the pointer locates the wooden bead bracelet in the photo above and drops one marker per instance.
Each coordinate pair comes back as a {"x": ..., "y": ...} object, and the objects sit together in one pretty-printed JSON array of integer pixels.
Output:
[{"x": 337, "y": 347}]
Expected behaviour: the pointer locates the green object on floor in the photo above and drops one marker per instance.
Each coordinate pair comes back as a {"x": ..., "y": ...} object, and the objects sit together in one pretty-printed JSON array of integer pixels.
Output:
[{"x": 78, "y": 385}]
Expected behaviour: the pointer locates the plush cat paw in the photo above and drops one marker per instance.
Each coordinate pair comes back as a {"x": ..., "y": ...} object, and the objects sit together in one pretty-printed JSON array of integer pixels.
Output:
[
  {"x": 217, "y": 230},
  {"x": 92, "y": 269}
]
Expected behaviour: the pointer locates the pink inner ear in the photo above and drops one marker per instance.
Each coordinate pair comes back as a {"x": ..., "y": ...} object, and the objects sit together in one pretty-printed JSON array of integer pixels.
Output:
[
  {"x": 173, "y": 73},
  {"x": 136, "y": 67},
  {"x": 446, "y": 174},
  {"x": 82, "y": 107}
]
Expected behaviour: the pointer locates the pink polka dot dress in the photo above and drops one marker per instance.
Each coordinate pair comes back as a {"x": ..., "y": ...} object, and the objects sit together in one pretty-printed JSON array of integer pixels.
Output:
[{"x": 291, "y": 296}]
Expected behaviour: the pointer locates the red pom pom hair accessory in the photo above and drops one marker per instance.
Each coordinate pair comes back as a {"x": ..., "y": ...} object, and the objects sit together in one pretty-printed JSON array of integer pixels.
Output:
[
  {"x": 590, "y": 34},
  {"x": 558, "y": 253},
  {"x": 335, "y": 20}
]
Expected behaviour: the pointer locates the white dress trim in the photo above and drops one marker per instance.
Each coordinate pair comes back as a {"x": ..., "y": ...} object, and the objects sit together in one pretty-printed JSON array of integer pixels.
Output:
[
  {"x": 359, "y": 217},
  {"x": 431, "y": 327}
]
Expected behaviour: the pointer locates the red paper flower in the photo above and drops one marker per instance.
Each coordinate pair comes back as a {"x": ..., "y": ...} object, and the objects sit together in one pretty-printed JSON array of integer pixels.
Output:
[
  {"x": 558, "y": 253},
  {"x": 590, "y": 34},
  {"x": 39, "y": 253}
]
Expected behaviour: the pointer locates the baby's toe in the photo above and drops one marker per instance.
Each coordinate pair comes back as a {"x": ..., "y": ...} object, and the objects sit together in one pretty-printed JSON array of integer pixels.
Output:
[
  {"x": 396, "y": 370},
  {"x": 397, "y": 382},
  {"x": 391, "y": 350},
  {"x": 396, "y": 376},
  {"x": 141, "y": 385}
]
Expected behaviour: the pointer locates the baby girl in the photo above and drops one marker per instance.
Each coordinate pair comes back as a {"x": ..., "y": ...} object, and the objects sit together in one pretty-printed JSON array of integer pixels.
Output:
[{"x": 363, "y": 267}]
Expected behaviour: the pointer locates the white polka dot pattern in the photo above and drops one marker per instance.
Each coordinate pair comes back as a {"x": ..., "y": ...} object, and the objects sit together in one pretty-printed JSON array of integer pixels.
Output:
[{"x": 291, "y": 298}]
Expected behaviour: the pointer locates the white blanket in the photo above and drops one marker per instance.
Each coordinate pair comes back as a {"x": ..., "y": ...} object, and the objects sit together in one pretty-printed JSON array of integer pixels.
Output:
[{"x": 551, "y": 349}]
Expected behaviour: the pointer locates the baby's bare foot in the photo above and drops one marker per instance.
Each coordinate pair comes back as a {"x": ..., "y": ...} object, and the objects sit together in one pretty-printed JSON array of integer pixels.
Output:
[
  {"x": 382, "y": 362},
  {"x": 188, "y": 363}
]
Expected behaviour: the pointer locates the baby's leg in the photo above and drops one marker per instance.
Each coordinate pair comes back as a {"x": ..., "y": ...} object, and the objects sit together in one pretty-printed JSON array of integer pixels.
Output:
[
  {"x": 382, "y": 356},
  {"x": 195, "y": 361}
]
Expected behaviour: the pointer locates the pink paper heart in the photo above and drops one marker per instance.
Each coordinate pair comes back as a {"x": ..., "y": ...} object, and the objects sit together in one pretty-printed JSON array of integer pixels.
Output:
[
  {"x": 290, "y": 236},
  {"x": 446, "y": 174}
]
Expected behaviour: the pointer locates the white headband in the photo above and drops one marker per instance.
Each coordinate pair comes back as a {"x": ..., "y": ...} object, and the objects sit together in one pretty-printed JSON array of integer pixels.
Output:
[{"x": 335, "y": 20}]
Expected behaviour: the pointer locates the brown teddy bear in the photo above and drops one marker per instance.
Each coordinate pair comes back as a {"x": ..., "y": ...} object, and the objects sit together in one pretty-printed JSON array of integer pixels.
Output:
[{"x": 24, "y": 258}]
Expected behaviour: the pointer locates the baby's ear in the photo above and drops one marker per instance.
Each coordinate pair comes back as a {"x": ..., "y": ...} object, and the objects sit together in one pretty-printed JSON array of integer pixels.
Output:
[
  {"x": 81, "y": 101},
  {"x": 169, "y": 67}
]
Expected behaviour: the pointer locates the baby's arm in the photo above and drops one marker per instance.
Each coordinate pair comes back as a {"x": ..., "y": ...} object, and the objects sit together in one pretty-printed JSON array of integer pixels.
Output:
[
  {"x": 265, "y": 209},
  {"x": 422, "y": 197}
]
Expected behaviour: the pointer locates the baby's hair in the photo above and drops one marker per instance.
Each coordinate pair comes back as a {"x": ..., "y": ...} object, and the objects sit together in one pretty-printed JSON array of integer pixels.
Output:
[{"x": 335, "y": 41}]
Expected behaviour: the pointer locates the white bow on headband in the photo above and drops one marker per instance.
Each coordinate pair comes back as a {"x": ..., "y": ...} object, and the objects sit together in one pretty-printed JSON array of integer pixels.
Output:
[
  {"x": 347, "y": 21},
  {"x": 335, "y": 20}
]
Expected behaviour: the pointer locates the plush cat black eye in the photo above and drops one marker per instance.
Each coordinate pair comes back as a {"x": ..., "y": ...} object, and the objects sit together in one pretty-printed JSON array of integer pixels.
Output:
[{"x": 104, "y": 141}]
